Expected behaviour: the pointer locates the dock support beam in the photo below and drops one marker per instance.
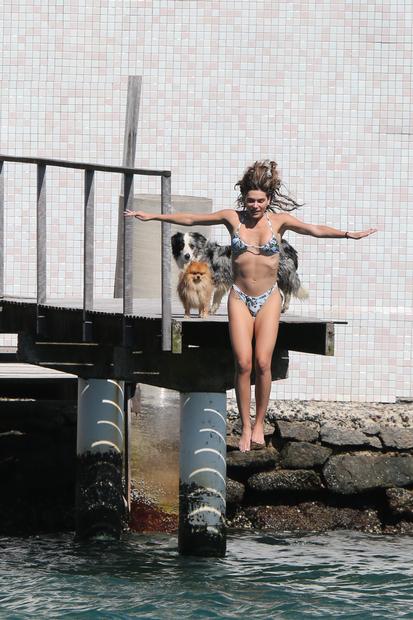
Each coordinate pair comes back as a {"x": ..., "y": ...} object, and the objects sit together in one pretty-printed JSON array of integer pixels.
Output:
[
  {"x": 100, "y": 497},
  {"x": 202, "y": 484}
]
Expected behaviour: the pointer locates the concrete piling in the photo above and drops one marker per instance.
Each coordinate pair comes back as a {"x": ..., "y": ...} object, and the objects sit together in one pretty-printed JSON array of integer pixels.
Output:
[
  {"x": 101, "y": 505},
  {"x": 202, "y": 484}
]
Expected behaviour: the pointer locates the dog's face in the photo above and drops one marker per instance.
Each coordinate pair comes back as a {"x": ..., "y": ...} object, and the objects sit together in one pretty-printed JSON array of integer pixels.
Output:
[
  {"x": 187, "y": 247},
  {"x": 197, "y": 272}
]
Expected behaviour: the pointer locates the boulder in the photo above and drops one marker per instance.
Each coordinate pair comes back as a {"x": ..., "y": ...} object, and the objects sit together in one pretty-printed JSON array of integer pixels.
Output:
[
  {"x": 303, "y": 455},
  {"x": 252, "y": 460},
  {"x": 285, "y": 480},
  {"x": 297, "y": 431},
  {"x": 312, "y": 517},
  {"x": 232, "y": 442},
  {"x": 356, "y": 473},
  {"x": 234, "y": 427},
  {"x": 235, "y": 491},
  {"x": 347, "y": 437},
  {"x": 400, "y": 501},
  {"x": 370, "y": 428},
  {"x": 397, "y": 438},
  {"x": 399, "y": 527}
]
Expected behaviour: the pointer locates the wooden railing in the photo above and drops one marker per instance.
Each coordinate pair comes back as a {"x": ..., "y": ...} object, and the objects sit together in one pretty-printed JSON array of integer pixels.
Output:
[{"x": 88, "y": 235}]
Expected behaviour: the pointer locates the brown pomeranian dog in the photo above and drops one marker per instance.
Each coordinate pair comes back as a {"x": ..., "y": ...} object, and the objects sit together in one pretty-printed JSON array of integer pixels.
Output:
[{"x": 195, "y": 288}]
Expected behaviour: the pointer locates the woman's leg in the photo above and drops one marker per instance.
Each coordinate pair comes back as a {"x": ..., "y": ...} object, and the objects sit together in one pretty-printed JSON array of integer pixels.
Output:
[
  {"x": 241, "y": 327},
  {"x": 266, "y": 331}
]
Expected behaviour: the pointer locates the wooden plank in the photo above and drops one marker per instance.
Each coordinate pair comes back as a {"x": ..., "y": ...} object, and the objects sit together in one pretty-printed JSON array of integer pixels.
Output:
[
  {"x": 41, "y": 234},
  {"x": 20, "y": 381},
  {"x": 145, "y": 333},
  {"x": 129, "y": 153},
  {"x": 166, "y": 288},
  {"x": 88, "y": 251},
  {"x": 2, "y": 249},
  {"x": 196, "y": 369},
  {"x": 131, "y": 121},
  {"x": 60, "y": 163},
  {"x": 128, "y": 248},
  {"x": 18, "y": 370},
  {"x": 151, "y": 308}
]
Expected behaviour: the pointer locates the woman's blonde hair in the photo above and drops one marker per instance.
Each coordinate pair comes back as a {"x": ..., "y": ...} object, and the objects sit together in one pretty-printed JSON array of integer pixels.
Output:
[{"x": 263, "y": 175}]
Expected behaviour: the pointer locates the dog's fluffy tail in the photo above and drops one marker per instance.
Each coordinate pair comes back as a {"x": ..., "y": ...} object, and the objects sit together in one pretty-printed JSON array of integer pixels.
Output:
[{"x": 302, "y": 293}]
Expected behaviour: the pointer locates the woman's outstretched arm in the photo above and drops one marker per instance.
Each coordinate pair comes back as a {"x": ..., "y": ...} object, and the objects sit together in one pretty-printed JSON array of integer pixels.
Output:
[
  {"x": 185, "y": 219},
  {"x": 290, "y": 222}
]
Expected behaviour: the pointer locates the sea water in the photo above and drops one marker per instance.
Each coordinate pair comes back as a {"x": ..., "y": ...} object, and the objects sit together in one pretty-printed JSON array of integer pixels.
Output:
[
  {"x": 335, "y": 575},
  {"x": 264, "y": 575}
]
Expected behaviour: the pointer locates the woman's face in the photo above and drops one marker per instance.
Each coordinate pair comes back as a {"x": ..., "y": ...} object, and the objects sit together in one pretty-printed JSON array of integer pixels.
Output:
[{"x": 256, "y": 203}]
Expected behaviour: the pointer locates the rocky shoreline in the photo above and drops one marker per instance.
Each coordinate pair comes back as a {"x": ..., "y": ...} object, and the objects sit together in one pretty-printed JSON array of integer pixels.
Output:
[{"x": 325, "y": 466}]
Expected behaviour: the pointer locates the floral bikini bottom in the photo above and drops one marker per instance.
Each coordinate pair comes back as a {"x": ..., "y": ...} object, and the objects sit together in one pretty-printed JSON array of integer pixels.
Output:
[{"x": 254, "y": 304}]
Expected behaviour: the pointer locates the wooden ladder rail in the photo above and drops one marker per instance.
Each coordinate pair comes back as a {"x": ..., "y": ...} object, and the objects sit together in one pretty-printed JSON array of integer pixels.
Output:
[{"x": 88, "y": 228}]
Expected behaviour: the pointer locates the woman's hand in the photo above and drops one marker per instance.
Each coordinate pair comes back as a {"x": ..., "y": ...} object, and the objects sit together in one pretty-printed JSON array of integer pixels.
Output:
[
  {"x": 140, "y": 215},
  {"x": 360, "y": 235}
]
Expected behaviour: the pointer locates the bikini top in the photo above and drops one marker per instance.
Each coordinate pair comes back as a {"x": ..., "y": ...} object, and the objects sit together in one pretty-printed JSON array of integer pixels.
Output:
[{"x": 268, "y": 249}]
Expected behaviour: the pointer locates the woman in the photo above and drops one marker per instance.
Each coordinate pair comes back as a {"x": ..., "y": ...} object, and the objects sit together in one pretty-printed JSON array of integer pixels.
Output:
[{"x": 254, "y": 302}]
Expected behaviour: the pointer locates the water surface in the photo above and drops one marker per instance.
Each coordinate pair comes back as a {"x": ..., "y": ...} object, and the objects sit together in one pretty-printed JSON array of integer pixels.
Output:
[{"x": 336, "y": 575}]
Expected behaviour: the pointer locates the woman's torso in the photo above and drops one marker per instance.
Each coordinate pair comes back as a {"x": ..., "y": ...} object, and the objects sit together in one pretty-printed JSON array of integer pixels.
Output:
[{"x": 255, "y": 253}]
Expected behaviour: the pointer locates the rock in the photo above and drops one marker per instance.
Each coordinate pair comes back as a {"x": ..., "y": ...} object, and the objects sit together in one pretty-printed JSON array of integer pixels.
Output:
[
  {"x": 400, "y": 501},
  {"x": 234, "y": 427},
  {"x": 238, "y": 520},
  {"x": 303, "y": 455},
  {"x": 268, "y": 429},
  {"x": 370, "y": 428},
  {"x": 374, "y": 442},
  {"x": 297, "y": 431},
  {"x": 347, "y": 437},
  {"x": 397, "y": 438},
  {"x": 285, "y": 480},
  {"x": 312, "y": 517},
  {"x": 235, "y": 491},
  {"x": 252, "y": 460},
  {"x": 355, "y": 473},
  {"x": 232, "y": 442},
  {"x": 401, "y": 527}
]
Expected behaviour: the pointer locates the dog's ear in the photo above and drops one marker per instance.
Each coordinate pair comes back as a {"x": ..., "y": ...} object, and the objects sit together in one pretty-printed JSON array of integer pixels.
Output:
[
  {"x": 177, "y": 242},
  {"x": 290, "y": 252},
  {"x": 198, "y": 237}
]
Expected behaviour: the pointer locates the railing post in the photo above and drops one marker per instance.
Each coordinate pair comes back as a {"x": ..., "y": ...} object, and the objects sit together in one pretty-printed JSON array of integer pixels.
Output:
[
  {"x": 127, "y": 258},
  {"x": 166, "y": 292},
  {"x": 2, "y": 252},
  {"x": 129, "y": 151},
  {"x": 88, "y": 253},
  {"x": 41, "y": 246}
]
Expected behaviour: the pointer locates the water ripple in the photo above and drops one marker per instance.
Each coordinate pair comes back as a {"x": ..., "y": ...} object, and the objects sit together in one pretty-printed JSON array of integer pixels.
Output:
[{"x": 337, "y": 575}]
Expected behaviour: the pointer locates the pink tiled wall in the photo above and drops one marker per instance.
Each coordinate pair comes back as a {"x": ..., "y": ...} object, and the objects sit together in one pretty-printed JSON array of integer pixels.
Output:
[{"x": 324, "y": 87}]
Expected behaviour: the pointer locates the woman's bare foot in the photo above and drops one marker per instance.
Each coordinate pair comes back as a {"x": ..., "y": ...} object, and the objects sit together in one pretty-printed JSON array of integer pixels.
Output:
[
  {"x": 258, "y": 433},
  {"x": 245, "y": 440}
]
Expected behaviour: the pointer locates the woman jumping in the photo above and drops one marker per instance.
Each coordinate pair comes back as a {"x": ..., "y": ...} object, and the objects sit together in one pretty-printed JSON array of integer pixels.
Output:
[{"x": 254, "y": 301}]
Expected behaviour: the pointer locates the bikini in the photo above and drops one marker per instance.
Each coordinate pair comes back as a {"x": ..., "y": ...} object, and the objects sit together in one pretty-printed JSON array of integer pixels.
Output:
[{"x": 238, "y": 246}]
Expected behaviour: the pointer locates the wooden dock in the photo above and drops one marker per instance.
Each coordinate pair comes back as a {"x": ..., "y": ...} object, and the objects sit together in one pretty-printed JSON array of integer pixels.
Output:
[{"x": 201, "y": 354}]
